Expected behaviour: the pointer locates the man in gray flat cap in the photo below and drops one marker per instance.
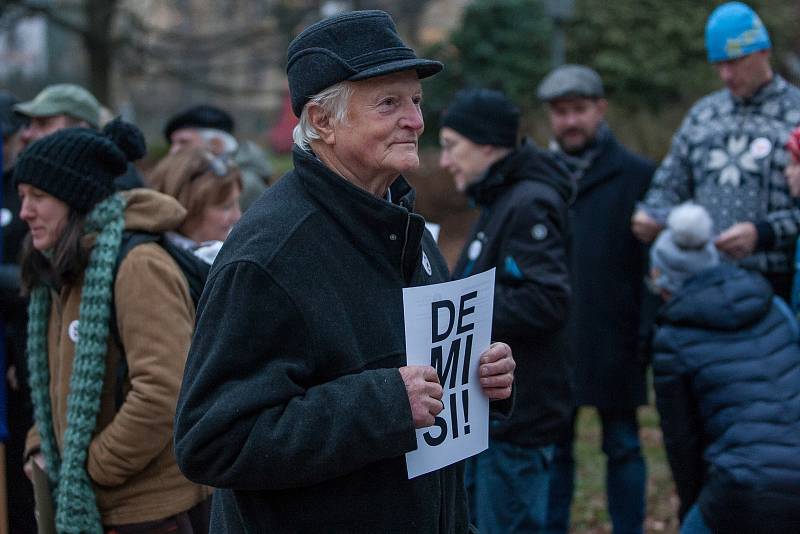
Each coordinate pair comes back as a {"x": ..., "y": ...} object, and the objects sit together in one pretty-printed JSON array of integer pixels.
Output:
[
  {"x": 608, "y": 271},
  {"x": 297, "y": 402}
]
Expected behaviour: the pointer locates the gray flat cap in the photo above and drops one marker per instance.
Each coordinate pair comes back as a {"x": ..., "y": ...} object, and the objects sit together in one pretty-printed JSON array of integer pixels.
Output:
[{"x": 570, "y": 81}]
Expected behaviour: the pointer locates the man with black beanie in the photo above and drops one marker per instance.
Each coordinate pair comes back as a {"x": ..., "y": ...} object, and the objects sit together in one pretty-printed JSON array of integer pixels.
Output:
[{"x": 523, "y": 232}]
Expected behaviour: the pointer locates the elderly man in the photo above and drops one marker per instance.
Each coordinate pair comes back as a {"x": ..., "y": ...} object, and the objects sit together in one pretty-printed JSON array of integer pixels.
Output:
[
  {"x": 608, "y": 263},
  {"x": 66, "y": 105},
  {"x": 522, "y": 232},
  {"x": 201, "y": 126},
  {"x": 729, "y": 155},
  {"x": 297, "y": 402},
  {"x": 212, "y": 128}
]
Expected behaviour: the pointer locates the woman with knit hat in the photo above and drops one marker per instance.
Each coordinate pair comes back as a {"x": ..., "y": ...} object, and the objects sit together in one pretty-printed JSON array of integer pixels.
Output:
[
  {"x": 727, "y": 378},
  {"x": 111, "y": 466}
]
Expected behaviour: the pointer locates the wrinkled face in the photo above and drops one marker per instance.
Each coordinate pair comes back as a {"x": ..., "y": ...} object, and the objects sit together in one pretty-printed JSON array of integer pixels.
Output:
[
  {"x": 43, "y": 126},
  {"x": 45, "y": 214},
  {"x": 216, "y": 221},
  {"x": 463, "y": 159},
  {"x": 575, "y": 121},
  {"x": 378, "y": 138},
  {"x": 185, "y": 138},
  {"x": 745, "y": 75}
]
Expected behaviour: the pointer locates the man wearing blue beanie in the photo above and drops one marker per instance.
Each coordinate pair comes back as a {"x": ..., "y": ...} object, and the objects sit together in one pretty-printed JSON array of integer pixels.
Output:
[{"x": 729, "y": 156}]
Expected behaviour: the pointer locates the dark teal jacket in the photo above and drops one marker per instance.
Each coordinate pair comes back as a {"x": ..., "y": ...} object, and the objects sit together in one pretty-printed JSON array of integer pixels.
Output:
[{"x": 292, "y": 403}]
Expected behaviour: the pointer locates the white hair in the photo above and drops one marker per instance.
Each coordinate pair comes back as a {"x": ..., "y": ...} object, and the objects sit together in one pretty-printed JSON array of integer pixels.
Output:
[
  {"x": 229, "y": 142},
  {"x": 334, "y": 101}
]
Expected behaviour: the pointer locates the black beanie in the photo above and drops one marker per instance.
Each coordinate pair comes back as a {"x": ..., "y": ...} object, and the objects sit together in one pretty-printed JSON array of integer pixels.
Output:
[
  {"x": 483, "y": 116},
  {"x": 202, "y": 116},
  {"x": 79, "y": 165}
]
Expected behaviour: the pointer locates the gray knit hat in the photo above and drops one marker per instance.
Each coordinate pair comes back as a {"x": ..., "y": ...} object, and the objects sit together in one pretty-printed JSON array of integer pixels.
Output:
[{"x": 685, "y": 248}]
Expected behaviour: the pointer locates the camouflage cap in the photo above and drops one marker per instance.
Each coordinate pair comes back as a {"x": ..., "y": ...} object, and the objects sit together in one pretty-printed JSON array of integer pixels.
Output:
[{"x": 63, "y": 99}]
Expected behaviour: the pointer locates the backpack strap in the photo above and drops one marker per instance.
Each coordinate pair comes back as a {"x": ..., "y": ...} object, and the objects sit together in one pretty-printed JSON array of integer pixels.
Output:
[
  {"x": 130, "y": 240},
  {"x": 194, "y": 270}
]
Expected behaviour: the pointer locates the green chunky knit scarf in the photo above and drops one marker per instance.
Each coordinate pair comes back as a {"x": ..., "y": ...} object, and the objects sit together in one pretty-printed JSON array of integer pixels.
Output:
[{"x": 76, "y": 507}]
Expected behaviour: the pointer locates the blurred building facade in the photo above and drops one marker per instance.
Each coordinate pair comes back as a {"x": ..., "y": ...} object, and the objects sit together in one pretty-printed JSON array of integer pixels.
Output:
[{"x": 169, "y": 54}]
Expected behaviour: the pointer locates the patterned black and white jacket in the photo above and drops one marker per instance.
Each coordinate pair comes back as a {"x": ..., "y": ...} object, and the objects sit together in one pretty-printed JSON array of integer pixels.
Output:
[{"x": 729, "y": 156}]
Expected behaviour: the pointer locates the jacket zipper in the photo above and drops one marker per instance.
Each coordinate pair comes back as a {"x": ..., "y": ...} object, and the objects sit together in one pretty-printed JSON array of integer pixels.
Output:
[{"x": 405, "y": 244}]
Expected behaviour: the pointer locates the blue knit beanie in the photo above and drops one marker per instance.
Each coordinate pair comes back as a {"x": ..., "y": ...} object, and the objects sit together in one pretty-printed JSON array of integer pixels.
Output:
[{"x": 734, "y": 30}]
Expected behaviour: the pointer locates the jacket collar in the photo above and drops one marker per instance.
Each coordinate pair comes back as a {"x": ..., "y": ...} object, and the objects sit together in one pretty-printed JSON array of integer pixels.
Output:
[
  {"x": 527, "y": 162},
  {"x": 605, "y": 165},
  {"x": 765, "y": 93},
  {"x": 374, "y": 225}
]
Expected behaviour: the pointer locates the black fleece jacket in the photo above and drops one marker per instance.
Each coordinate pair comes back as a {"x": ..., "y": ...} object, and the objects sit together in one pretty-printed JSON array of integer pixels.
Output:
[
  {"x": 523, "y": 231},
  {"x": 292, "y": 403}
]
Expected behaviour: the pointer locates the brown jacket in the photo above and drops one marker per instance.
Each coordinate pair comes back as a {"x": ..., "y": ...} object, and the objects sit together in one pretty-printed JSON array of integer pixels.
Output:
[{"x": 131, "y": 458}]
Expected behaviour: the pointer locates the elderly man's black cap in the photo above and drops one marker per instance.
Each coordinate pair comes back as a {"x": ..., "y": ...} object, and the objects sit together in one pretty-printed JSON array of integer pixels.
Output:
[
  {"x": 202, "y": 116},
  {"x": 351, "y": 46},
  {"x": 571, "y": 81},
  {"x": 483, "y": 116},
  {"x": 10, "y": 121}
]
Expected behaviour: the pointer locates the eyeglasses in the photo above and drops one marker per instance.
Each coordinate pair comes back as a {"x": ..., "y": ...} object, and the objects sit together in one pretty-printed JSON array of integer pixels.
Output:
[{"x": 219, "y": 166}]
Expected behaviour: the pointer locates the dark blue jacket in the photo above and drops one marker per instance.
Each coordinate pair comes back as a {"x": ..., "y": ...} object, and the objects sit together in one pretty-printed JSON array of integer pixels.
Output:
[
  {"x": 523, "y": 231},
  {"x": 292, "y": 404},
  {"x": 609, "y": 268},
  {"x": 727, "y": 380}
]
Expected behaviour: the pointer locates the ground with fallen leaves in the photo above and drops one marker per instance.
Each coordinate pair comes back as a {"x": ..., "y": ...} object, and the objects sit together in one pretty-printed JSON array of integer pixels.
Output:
[{"x": 589, "y": 514}]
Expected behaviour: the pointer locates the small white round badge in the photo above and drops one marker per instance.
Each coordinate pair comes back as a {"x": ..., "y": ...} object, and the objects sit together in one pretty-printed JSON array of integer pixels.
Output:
[
  {"x": 474, "y": 250},
  {"x": 5, "y": 217},
  {"x": 539, "y": 231},
  {"x": 426, "y": 264},
  {"x": 760, "y": 147},
  {"x": 73, "y": 331}
]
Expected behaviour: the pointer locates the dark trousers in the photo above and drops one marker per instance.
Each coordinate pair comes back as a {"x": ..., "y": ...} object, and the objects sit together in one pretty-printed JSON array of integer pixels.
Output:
[
  {"x": 626, "y": 476},
  {"x": 20, "y": 489},
  {"x": 507, "y": 487},
  {"x": 193, "y": 521}
]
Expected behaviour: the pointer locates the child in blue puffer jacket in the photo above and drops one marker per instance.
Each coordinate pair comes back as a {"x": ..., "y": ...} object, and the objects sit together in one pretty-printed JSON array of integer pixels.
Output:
[{"x": 727, "y": 379}]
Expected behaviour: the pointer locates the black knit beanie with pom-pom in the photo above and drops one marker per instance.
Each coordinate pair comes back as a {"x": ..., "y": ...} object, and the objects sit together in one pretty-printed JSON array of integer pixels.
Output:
[{"x": 79, "y": 165}]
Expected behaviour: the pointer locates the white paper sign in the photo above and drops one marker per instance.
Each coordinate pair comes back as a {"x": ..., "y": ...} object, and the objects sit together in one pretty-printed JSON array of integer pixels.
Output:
[{"x": 448, "y": 326}]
